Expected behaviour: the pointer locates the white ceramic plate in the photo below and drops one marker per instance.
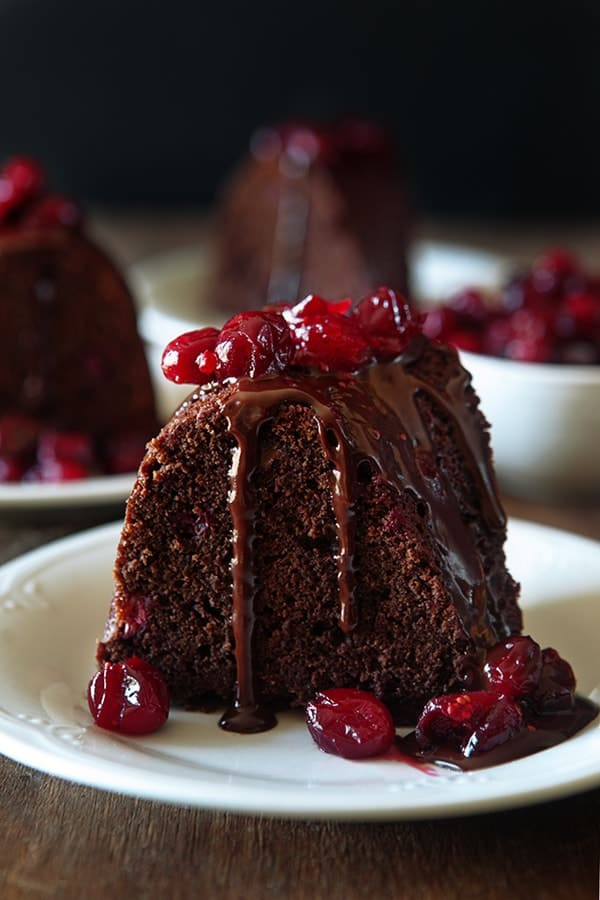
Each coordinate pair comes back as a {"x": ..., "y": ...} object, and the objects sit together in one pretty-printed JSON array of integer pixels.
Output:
[
  {"x": 52, "y": 608},
  {"x": 100, "y": 491}
]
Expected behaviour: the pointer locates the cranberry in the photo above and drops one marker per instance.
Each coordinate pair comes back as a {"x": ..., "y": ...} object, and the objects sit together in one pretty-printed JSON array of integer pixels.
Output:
[
  {"x": 21, "y": 180},
  {"x": 57, "y": 470},
  {"x": 503, "y": 722},
  {"x": 552, "y": 270},
  {"x": 325, "y": 338},
  {"x": 555, "y": 691},
  {"x": 465, "y": 340},
  {"x": 53, "y": 210},
  {"x": 61, "y": 446},
  {"x": 452, "y": 718},
  {"x": 519, "y": 292},
  {"x": 11, "y": 469},
  {"x": 470, "y": 306},
  {"x": 124, "y": 453},
  {"x": 253, "y": 343},
  {"x": 350, "y": 723},
  {"x": 514, "y": 666},
  {"x": 180, "y": 355},
  {"x": 439, "y": 322},
  {"x": 532, "y": 336},
  {"x": 578, "y": 316},
  {"x": 314, "y": 306},
  {"x": 497, "y": 336},
  {"x": 130, "y": 697},
  {"x": 387, "y": 321}
]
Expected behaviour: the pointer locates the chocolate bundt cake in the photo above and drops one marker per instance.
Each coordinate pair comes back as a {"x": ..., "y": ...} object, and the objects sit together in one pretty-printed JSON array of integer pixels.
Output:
[
  {"x": 321, "y": 512},
  {"x": 75, "y": 392},
  {"x": 311, "y": 208}
]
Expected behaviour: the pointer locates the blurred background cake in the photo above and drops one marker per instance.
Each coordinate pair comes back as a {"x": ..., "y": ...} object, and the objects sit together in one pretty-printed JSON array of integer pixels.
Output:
[
  {"x": 75, "y": 392},
  {"x": 312, "y": 208}
]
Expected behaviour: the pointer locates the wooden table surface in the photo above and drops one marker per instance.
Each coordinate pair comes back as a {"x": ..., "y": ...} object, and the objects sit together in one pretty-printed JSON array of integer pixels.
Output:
[{"x": 66, "y": 841}]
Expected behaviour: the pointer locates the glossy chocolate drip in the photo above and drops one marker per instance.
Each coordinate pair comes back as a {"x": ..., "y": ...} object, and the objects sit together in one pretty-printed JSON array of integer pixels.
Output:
[{"x": 373, "y": 415}]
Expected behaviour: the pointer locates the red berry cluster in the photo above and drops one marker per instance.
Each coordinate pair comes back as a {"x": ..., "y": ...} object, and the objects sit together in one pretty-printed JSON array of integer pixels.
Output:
[
  {"x": 550, "y": 314},
  {"x": 522, "y": 681},
  {"x": 32, "y": 453},
  {"x": 25, "y": 202},
  {"x": 340, "y": 337},
  {"x": 129, "y": 697}
]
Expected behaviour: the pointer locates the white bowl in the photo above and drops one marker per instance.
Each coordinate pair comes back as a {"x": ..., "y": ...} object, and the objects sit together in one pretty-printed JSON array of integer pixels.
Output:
[{"x": 545, "y": 425}]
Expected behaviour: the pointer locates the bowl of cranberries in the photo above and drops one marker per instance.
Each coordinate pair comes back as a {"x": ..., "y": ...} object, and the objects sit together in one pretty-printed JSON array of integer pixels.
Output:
[{"x": 533, "y": 348}]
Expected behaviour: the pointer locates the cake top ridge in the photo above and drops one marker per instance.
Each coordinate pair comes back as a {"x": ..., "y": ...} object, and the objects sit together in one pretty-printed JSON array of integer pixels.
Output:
[
  {"x": 314, "y": 333},
  {"x": 27, "y": 203}
]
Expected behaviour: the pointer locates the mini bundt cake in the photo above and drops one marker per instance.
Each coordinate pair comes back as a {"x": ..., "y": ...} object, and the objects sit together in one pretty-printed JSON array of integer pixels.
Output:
[
  {"x": 311, "y": 208},
  {"x": 75, "y": 392},
  {"x": 321, "y": 512}
]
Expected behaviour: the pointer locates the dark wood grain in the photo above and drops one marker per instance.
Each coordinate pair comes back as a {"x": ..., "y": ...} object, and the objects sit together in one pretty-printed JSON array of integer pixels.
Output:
[{"x": 61, "y": 840}]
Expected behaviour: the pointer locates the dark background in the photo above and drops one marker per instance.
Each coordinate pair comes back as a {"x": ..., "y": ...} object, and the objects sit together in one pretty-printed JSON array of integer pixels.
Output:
[{"x": 496, "y": 105}]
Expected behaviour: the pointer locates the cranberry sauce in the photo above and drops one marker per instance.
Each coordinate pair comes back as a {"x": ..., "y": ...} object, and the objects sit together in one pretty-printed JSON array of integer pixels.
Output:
[
  {"x": 549, "y": 314},
  {"x": 360, "y": 418},
  {"x": 540, "y": 732}
]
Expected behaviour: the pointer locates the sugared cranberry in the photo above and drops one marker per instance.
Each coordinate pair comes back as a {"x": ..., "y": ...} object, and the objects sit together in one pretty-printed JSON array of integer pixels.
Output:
[
  {"x": 555, "y": 691},
  {"x": 387, "y": 321},
  {"x": 129, "y": 697},
  {"x": 252, "y": 344},
  {"x": 452, "y": 718},
  {"x": 180, "y": 356},
  {"x": 53, "y": 210},
  {"x": 21, "y": 180},
  {"x": 62, "y": 446},
  {"x": 350, "y": 723},
  {"x": 503, "y": 722},
  {"x": 514, "y": 666}
]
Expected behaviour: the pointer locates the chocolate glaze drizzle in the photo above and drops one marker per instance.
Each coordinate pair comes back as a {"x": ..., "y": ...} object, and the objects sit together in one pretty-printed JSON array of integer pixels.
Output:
[{"x": 372, "y": 415}]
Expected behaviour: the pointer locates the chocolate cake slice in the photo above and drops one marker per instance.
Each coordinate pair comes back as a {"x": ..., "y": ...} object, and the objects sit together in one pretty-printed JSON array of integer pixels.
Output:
[
  {"x": 311, "y": 208},
  {"x": 75, "y": 391},
  {"x": 321, "y": 512}
]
